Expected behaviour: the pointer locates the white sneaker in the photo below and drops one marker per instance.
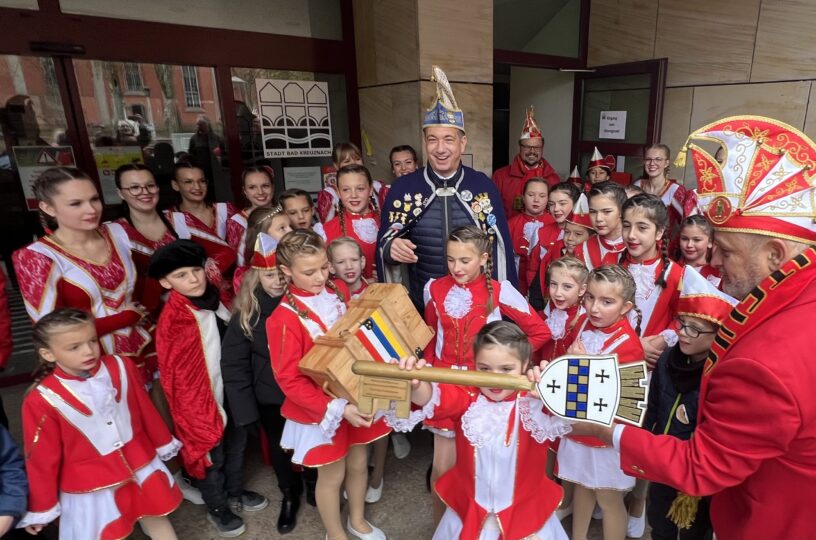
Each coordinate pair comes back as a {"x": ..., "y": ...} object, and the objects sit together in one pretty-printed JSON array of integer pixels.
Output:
[
  {"x": 374, "y": 494},
  {"x": 375, "y": 534},
  {"x": 189, "y": 492},
  {"x": 402, "y": 446},
  {"x": 636, "y": 526},
  {"x": 597, "y": 513}
]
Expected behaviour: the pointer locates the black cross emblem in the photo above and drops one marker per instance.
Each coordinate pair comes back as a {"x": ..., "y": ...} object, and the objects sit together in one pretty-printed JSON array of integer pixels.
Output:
[
  {"x": 553, "y": 386},
  {"x": 600, "y": 404},
  {"x": 602, "y": 375}
]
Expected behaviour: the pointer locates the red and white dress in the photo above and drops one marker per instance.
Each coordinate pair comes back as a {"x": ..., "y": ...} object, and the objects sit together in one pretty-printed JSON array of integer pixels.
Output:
[
  {"x": 236, "y": 234},
  {"x": 549, "y": 256},
  {"x": 598, "y": 251},
  {"x": 526, "y": 232},
  {"x": 328, "y": 200},
  {"x": 586, "y": 460},
  {"x": 51, "y": 277},
  {"x": 212, "y": 238},
  {"x": 147, "y": 291},
  {"x": 94, "y": 449},
  {"x": 498, "y": 487},
  {"x": 363, "y": 229},
  {"x": 709, "y": 272},
  {"x": 315, "y": 429},
  {"x": 657, "y": 304},
  {"x": 457, "y": 313},
  {"x": 681, "y": 203},
  {"x": 564, "y": 326}
]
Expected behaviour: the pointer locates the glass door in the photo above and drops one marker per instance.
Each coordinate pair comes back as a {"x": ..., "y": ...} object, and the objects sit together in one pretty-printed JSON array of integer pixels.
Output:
[{"x": 619, "y": 109}]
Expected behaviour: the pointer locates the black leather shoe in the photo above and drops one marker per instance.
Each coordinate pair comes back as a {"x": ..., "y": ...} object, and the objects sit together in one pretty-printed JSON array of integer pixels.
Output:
[
  {"x": 287, "y": 519},
  {"x": 311, "y": 484}
]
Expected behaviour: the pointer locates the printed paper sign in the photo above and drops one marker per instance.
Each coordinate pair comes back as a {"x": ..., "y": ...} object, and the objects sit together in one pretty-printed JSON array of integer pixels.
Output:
[
  {"x": 613, "y": 125},
  {"x": 295, "y": 120},
  {"x": 306, "y": 178},
  {"x": 31, "y": 161}
]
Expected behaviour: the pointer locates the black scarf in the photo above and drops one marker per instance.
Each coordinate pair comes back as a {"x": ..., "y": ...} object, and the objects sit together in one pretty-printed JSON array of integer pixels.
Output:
[
  {"x": 209, "y": 300},
  {"x": 685, "y": 373}
]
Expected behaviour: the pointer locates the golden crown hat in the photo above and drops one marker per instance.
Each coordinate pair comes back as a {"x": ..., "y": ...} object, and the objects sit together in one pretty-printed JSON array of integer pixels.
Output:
[
  {"x": 443, "y": 112},
  {"x": 580, "y": 213},
  {"x": 263, "y": 257},
  {"x": 765, "y": 184},
  {"x": 699, "y": 298},
  {"x": 530, "y": 129}
]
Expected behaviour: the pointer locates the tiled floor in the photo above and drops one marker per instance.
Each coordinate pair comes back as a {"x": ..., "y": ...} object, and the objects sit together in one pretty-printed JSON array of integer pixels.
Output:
[{"x": 404, "y": 512}]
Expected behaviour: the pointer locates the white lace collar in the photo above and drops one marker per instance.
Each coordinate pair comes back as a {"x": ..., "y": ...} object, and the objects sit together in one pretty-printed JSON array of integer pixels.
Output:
[{"x": 485, "y": 421}]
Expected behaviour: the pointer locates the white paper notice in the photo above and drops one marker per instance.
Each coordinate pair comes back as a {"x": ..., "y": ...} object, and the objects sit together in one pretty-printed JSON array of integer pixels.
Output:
[
  {"x": 613, "y": 125},
  {"x": 305, "y": 178}
]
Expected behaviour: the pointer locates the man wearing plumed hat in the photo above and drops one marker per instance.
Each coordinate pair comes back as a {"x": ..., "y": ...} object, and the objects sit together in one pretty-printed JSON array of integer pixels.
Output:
[{"x": 423, "y": 207}]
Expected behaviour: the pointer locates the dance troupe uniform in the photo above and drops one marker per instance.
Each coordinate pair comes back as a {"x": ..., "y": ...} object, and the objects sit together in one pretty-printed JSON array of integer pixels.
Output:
[
  {"x": 328, "y": 200},
  {"x": 94, "y": 449},
  {"x": 213, "y": 239},
  {"x": 51, "y": 277},
  {"x": 498, "y": 487},
  {"x": 457, "y": 313},
  {"x": 236, "y": 234},
  {"x": 148, "y": 291},
  {"x": 564, "y": 325},
  {"x": 597, "y": 251},
  {"x": 681, "y": 203},
  {"x": 526, "y": 232},
  {"x": 363, "y": 229},
  {"x": 315, "y": 428},
  {"x": 586, "y": 460},
  {"x": 707, "y": 271},
  {"x": 657, "y": 305}
]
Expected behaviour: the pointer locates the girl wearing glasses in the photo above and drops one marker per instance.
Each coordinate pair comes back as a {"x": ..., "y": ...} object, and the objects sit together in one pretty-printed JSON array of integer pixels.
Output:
[
  {"x": 680, "y": 201},
  {"x": 675, "y": 389}
]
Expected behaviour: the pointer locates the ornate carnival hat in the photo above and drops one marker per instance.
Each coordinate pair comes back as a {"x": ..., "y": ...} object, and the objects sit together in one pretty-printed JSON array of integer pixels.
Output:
[
  {"x": 575, "y": 177},
  {"x": 765, "y": 184},
  {"x": 530, "y": 129},
  {"x": 443, "y": 112},
  {"x": 580, "y": 213},
  {"x": 263, "y": 258},
  {"x": 699, "y": 298},
  {"x": 598, "y": 160}
]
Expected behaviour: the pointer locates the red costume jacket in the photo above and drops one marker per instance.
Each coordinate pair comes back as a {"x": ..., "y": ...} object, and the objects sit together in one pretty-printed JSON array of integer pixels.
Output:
[
  {"x": 564, "y": 326},
  {"x": 754, "y": 449},
  {"x": 681, "y": 203},
  {"x": 500, "y": 449},
  {"x": 510, "y": 180},
  {"x": 236, "y": 235},
  {"x": 213, "y": 238},
  {"x": 51, "y": 277},
  {"x": 657, "y": 305},
  {"x": 189, "y": 353},
  {"x": 328, "y": 200},
  {"x": 70, "y": 447},
  {"x": 526, "y": 232},
  {"x": 362, "y": 228},
  {"x": 597, "y": 251},
  {"x": 148, "y": 291}
]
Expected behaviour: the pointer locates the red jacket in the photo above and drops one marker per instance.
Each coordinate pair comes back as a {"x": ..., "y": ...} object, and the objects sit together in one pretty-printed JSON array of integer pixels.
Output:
[
  {"x": 754, "y": 448},
  {"x": 363, "y": 229},
  {"x": 511, "y": 178},
  {"x": 526, "y": 231}
]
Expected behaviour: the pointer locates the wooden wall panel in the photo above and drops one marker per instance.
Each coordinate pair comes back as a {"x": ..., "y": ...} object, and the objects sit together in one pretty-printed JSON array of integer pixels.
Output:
[
  {"x": 621, "y": 31},
  {"x": 676, "y": 119},
  {"x": 786, "y": 41},
  {"x": 458, "y": 37},
  {"x": 810, "y": 114},
  {"x": 476, "y": 101},
  {"x": 707, "y": 42},
  {"x": 386, "y": 37}
]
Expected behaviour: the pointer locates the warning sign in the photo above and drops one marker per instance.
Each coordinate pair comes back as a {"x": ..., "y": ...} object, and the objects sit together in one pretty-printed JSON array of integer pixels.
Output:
[{"x": 31, "y": 161}]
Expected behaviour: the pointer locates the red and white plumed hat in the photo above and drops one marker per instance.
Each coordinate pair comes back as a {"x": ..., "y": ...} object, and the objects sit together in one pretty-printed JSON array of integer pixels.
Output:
[
  {"x": 575, "y": 177},
  {"x": 765, "y": 184},
  {"x": 530, "y": 129},
  {"x": 598, "y": 160},
  {"x": 263, "y": 258},
  {"x": 580, "y": 213},
  {"x": 699, "y": 298}
]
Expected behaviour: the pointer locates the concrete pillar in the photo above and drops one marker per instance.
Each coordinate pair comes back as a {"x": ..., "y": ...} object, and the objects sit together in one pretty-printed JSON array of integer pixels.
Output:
[{"x": 397, "y": 42}]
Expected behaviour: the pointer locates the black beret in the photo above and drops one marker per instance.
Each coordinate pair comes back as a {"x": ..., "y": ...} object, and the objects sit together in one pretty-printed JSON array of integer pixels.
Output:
[{"x": 175, "y": 255}]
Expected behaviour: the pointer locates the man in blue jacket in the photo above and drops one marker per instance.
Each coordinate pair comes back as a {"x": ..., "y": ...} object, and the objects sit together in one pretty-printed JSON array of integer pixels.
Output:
[
  {"x": 423, "y": 207},
  {"x": 13, "y": 482}
]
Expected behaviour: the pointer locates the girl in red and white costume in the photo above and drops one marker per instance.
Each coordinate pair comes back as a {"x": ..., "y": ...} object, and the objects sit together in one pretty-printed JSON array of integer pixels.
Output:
[
  {"x": 585, "y": 461},
  {"x": 323, "y": 432},
  {"x": 696, "y": 242},
  {"x": 525, "y": 228},
  {"x": 497, "y": 488},
  {"x": 457, "y": 306},
  {"x": 599, "y": 169},
  {"x": 203, "y": 222},
  {"x": 328, "y": 200},
  {"x": 564, "y": 312},
  {"x": 81, "y": 264},
  {"x": 657, "y": 277},
  {"x": 94, "y": 443},
  {"x": 357, "y": 217},
  {"x": 270, "y": 220},
  {"x": 605, "y": 206},
  {"x": 300, "y": 208},
  {"x": 146, "y": 229},
  {"x": 548, "y": 241},
  {"x": 258, "y": 186},
  {"x": 346, "y": 263},
  {"x": 680, "y": 201}
]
